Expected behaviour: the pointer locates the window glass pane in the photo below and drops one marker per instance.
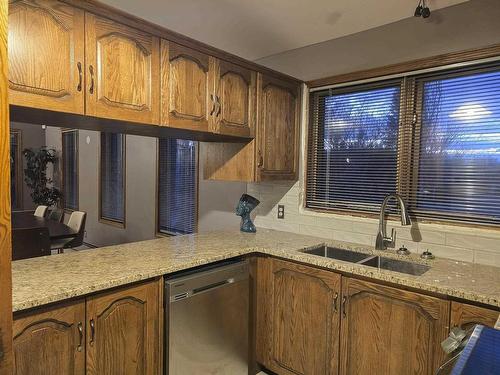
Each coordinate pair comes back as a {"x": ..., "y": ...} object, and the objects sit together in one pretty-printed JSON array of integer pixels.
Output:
[
  {"x": 70, "y": 169},
  {"x": 113, "y": 177},
  {"x": 14, "y": 165},
  {"x": 353, "y": 164},
  {"x": 177, "y": 186},
  {"x": 459, "y": 156}
]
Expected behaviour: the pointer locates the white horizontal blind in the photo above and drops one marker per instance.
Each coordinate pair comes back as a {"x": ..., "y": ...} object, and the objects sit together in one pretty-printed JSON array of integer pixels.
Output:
[
  {"x": 456, "y": 172},
  {"x": 353, "y": 147},
  {"x": 112, "y": 177},
  {"x": 177, "y": 186}
]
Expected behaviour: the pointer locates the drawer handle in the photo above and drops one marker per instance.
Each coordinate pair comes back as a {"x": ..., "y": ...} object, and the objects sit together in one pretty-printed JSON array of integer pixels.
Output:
[
  {"x": 219, "y": 106},
  {"x": 80, "y": 337},
  {"x": 261, "y": 160},
  {"x": 80, "y": 76},
  {"x": 213, "y": 104},
  {"x": 335, "y": 301},
  {"x": 92, "y": 332},
  {"x": 344, "y": 303},
  {"x": 91, "y": 71}
]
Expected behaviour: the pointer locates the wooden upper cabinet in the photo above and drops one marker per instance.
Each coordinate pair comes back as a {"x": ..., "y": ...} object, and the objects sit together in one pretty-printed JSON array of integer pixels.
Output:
[
  {"x": 51, "y": 341},
  {"x": 235, "y": 100},
  {"x": 297, "y": 318},
  {"x": 277, "y": 152},
  {"x": 390, "y": 331},
  {"x": 122, "y": 71},
  {"x": 187, "y": 87},
  {"x": 123, "y": 335},
  {"x": 466, "y": 316},
  {"x": 46, "y": 55}
]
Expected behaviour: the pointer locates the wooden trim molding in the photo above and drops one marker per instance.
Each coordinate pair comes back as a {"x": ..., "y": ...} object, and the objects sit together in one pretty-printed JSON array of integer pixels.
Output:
[
  {"x": 5, "y": 227},
  {"x": 408, "y": 66}
]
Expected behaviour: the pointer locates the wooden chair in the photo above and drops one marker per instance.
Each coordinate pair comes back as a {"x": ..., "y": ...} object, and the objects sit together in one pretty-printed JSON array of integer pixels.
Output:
[
  {"x": 30, "y": 243},
  {"x": 41, "y": 211},
  {"x": 77, "y": 223},
  {"x": 56, "y": 214}
]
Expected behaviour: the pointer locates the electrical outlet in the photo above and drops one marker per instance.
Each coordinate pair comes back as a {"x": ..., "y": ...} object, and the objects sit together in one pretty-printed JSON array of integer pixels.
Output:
[{"x": 281, "y": 211}]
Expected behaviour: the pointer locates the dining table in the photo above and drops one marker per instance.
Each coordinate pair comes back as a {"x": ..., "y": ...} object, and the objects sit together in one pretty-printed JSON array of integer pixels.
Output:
[{"x": 26, "y": 219}]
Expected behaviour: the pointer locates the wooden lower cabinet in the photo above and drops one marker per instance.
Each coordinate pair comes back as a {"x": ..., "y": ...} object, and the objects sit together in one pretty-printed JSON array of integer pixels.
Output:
[
  {"x": 50, "y": 341},
  {"x": 297, "y": 318},
  {"x": 466, "y": 316},
  {"x": 116, "y": 332},
  {"x": 389, "y": 331}
]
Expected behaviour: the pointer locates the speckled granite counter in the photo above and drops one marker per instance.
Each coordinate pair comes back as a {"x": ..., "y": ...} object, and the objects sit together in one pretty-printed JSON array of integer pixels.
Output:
[{"x": 44, "y": 280}]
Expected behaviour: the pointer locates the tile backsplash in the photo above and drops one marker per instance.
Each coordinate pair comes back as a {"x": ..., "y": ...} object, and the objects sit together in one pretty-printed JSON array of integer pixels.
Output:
[{"x": 455, "y": 242}]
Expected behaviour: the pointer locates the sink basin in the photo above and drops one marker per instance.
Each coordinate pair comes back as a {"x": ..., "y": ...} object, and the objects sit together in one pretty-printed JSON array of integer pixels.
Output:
[
  {"x": 396, "y": 265},
  {"x": 339, "y": 254}
]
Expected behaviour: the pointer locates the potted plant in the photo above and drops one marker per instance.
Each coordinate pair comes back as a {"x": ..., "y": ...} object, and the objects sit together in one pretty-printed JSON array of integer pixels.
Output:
[{"x": 35, "y": 176}]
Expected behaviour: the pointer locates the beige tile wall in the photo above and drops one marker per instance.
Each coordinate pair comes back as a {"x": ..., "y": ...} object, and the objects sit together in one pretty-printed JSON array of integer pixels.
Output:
[{"x": 455, "y": 242}]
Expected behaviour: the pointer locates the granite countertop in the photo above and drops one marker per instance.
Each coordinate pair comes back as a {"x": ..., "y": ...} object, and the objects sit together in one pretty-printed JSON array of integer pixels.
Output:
[{"x": 40, "y": 281}]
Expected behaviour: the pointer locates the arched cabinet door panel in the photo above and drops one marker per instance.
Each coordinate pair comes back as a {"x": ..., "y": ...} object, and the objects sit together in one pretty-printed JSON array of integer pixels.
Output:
[
  {"x": 123, "y": 331},
  {"x": 390, "y": 331},
  {"x": 187, "y": 87},
  {"x": 46, "y": 55},
  {"x": 277, "y": 155},
  {"x": 122, "y": 70},
  {"x": 50, "y": 341},
  {"x": 235, "y": 108}
]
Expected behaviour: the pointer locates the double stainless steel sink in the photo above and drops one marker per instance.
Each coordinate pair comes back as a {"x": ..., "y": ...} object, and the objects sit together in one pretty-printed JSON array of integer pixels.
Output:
[{"x": 377, "y": 261}]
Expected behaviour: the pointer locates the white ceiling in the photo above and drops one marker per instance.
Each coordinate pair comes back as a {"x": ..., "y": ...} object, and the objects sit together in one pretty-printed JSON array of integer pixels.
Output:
[{"x": 257, "y": 28}]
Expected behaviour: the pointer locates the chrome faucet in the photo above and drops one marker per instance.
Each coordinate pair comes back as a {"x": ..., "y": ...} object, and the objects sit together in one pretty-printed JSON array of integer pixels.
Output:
[{"x": 382, "y": 240}]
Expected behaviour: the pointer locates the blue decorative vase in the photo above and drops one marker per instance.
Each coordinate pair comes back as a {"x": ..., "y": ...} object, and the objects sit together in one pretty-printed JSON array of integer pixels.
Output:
[{"x": 246, "y": 205}]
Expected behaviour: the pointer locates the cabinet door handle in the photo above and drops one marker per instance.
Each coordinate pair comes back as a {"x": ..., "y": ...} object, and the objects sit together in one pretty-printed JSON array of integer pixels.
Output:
[
  {"x": 219, "y": 106},
  {"x": 344, "y": 303},
  {"x": 261, "y": 160},
  {"x": 91, "y": 71},
  {"x": 92, "y": 332},
  {"x": 80, "y": 76},
  {"x": 213, "y": 104},
  {"x": 335, "y": 301},
  {"x": 80, "y": 337}
]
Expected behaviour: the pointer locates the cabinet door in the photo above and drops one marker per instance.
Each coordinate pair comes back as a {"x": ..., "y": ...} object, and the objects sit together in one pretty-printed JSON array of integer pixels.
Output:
[
  {"x": 123, "y": 334},
  {"x": 390, "y": 331},
  {"x": 235, "y": 100},
  {"x": 301, "y": 327},
  {"x": 51, "y": 341},
  {"x": 466, "y": 316},
  {"x": 277, "y": 157},
  {"x": 123, "y": 71},
  {"x": 187, "y": 87},
  {"x": 46, "y": 51}
]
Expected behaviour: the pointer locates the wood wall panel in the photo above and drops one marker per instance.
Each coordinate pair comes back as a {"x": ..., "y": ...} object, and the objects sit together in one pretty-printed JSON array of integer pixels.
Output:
[{"x": 5, "y": 230}]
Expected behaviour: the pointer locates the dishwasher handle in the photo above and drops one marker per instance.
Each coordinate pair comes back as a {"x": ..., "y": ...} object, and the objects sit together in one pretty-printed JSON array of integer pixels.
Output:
[{"x": 201, "y": 289}]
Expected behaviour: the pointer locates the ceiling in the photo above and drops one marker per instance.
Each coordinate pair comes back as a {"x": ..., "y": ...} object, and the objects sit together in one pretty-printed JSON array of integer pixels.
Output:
[{"x": 254, "y": 29}]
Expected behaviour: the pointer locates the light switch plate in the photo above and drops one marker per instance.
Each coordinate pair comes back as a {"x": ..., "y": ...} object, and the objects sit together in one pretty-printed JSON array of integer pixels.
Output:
[{"x": 281, "y": 211}]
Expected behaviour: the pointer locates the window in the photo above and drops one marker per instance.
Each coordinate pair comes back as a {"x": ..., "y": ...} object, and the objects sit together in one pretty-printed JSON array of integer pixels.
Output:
[
  {"x": 177, "y": 186},
  {"x": 112, "y": 178},
  {"x": 458, "y": 174},
  {"x": 16, "y": 168},
  {"x": 353, "y": 147},
  {"x": 69, "y": 162},
  {"x": 434, "y": 139}
]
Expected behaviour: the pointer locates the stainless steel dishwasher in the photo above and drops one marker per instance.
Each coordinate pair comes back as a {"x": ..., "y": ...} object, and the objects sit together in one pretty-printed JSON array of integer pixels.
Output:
[{"x": 207, "y": 321}]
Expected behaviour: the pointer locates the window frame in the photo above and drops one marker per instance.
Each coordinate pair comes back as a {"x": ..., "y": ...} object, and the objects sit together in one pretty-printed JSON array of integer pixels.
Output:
[
  {"x": 63, "y": 178},
  {"x": 19, "y": 169},
  {"x": 409, "y": 134},
  {"x": 105, "y": 220},
  {"x": 158, "y": 232}
]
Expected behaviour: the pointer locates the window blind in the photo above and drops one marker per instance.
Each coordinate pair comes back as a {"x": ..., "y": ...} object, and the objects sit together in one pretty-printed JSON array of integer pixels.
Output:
[
  {"x": 456, "y": 169},
  {"x": 70, "y": 169},
  {"x": 177, "y": 186},
  {"x": 112, "y": 177},
  {"x": 353, "y": 147}
]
